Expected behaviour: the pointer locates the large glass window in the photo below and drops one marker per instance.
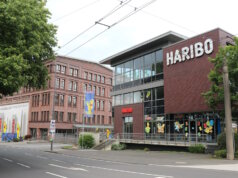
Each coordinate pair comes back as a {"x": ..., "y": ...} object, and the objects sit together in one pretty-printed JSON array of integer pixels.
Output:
[{"x": 137, "y": 97}]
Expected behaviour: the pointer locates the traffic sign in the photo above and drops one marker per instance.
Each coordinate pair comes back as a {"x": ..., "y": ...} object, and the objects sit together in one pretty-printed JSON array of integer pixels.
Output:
[{"x": 52, "y": 126}]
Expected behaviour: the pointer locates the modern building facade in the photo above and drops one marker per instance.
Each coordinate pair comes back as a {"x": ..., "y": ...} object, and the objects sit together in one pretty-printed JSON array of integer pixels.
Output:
[
  {"x": 63, "y": 99},
  {"x": 158, "y": 86}
]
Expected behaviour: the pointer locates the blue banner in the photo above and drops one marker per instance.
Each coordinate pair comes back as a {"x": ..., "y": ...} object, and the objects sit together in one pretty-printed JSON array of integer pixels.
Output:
[{"x": 89, "y": 104}]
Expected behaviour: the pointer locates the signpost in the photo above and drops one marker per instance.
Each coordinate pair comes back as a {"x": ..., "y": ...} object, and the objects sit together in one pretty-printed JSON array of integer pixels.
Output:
[{"x": 52, "y": 132}]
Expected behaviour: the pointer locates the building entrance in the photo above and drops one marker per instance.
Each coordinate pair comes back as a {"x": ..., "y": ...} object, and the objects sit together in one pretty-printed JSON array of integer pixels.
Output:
[{"x": 128, "y": 127}]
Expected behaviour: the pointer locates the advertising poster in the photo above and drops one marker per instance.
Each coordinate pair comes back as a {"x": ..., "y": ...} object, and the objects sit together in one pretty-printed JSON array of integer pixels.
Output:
[{"x": 13, "y": 121}]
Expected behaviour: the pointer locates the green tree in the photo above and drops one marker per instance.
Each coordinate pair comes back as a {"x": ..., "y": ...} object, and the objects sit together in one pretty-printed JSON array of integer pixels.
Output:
[
  {"x": 26, "y": 41},
  {"x": 215, "y": 96}
]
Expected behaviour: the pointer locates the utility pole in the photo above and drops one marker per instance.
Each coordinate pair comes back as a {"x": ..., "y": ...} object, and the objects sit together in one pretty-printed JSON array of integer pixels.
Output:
[{"x": 228, "y": 117}]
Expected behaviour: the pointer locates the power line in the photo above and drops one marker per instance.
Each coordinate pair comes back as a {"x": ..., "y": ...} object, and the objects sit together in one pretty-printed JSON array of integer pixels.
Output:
[
  {"x": 122, "y": 19},
  {"x": 161, "y": 18},
  {"x": 116, "y": 8},
  {"x": 81, "y": 8}
]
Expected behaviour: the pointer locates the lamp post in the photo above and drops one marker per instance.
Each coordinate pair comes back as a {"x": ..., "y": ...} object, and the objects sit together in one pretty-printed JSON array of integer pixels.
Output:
[{"x": 228, "y": 117}]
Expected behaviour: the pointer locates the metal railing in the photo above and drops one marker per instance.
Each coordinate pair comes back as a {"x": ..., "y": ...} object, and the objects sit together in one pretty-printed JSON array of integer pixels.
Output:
[{"x": 166, "y": 138}]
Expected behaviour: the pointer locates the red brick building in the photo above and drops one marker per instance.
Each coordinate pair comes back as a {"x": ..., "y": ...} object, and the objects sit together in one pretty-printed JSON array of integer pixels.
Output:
[
  {"x": 157, "y": 92},
  {"x": 69, "y": 79}
]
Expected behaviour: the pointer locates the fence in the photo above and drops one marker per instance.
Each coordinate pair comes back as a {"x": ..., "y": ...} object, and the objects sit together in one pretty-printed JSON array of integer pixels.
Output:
[{"x": 166, "y": 139}]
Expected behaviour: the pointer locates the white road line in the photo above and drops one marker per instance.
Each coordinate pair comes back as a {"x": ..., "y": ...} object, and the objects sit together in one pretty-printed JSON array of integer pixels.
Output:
[
  {"x": 220, "y": 167},
  {"x": 69, "y": 168},
  {"x": 106, "y": 161},
  {"x": 23, "y": 165},
  {"x": 124, "y": 171},
  {"x": 180, "y": 162},
  {"x": 55, "y": 175},
  {"x": 7, "y": 160},
  {"x": 41, "y": 157},
  {"x": 58, "y": 161}
]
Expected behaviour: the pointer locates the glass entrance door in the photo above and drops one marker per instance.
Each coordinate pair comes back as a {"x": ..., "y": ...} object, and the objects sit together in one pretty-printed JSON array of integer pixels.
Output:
[{"x": 128, "y": 127}]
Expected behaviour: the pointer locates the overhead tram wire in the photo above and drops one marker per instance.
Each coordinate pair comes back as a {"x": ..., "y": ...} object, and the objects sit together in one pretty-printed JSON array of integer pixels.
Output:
[
  {"x": 125, "y": 17},
  {"x": 81, "y": 8},
  {"x": 161, "y": 18},
  {"x": 122, "y": 3}
]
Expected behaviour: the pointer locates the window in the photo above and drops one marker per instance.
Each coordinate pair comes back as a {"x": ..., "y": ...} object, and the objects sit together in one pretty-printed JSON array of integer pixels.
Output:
[
  {"x": 99, "y": 78},
  {"x": 71, "y": 71},
  {"x": 98, "y": 91},
  {"x": 103, "y": 79},
  {"x": 74, "y": 101},
  {"x": 75, "y": 72},
  {"x": 128, "y": 98},
  {"x": 35, "y": 100},
  {"x": 109, "y": 106},
  {"x": 56, "y": 99},
  {"x": 93, "y": 120},
  {"x": 102, "y": 105},
  {"x": 94, "y": 89},
  {"x": 70, "y": 85},
  {"x": 110, "y": 120},
  {"x": 69, "y": 100},
  {"x": 98, "y": 119},
  {"x": 103, "y": 91},
  {"x": 56, "y": 116},
  {"x": 90, "y": 76},
  {"x": 61, "y": 116},
  {"x": 75, "y": 86},
  {"x": 61, "y": 100},
  {"x": 84, "y": 87},
  {"x": 89, "y": 87},
  {"x": 98, "y": 105},
  {"x": 57, "y": 68},
  {"x": 74, "y": 116},
  {"x": 63, "y": 69},
  {"x": 85, "y": 75},
  {"x": 57, "y": 82},
  {"x": 137, "y": 97},
  {"x": 62, "y": 83},
  {"x": 69, "y": 117},
  {"x": 102, "y": 120},
  {"x": 45, "y": 99},
  {"x": 94, "y": 77}
]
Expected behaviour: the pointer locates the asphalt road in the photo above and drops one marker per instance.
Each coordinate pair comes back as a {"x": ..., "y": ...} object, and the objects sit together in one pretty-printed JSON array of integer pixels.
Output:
[{"x": 18, "y": 160}]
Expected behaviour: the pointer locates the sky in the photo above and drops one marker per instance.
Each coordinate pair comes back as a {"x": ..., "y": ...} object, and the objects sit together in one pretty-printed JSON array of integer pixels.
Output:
[{"x": 186, "y": 17}]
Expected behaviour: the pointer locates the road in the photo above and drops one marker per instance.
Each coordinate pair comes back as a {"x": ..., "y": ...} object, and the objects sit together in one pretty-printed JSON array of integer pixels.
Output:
[{"x": 22, "y": 160}]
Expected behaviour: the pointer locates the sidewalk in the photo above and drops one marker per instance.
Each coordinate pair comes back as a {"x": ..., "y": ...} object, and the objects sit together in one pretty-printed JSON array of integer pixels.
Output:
[{"x": 151, "y": 157}]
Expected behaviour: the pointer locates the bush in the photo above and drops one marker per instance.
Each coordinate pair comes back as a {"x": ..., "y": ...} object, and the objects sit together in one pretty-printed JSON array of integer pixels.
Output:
[
  {"x": 146, "y": 149},
  {"x": 16, "y": 140},
  {"x": 221, "y": 140},
  {"x": 86, "y": 141},
  {"x": 236, "y": 154},
  {"x": 197, "y": 149},
  {"x": 27, "y": 137},
  {"x": 220, "y": 153},
  {"x": 118, "y": 147}
]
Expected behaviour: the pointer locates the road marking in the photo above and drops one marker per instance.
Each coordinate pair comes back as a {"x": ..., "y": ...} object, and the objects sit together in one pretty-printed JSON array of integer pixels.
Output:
[
  {"x": 180, "y": 162},
  {"x": 55, "y": 175},
  {"x": 23, "y": 165},
  {"x": 41, "y": 157},
  {"x": 221, "y": 167},
  {"x": 106, "y": 161},
  {"x": 58, "y": 161},
  {"x": 124, "y": 171},
  {"x": 7, "y": 160},
  {"x": 69, "y": 168}
]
